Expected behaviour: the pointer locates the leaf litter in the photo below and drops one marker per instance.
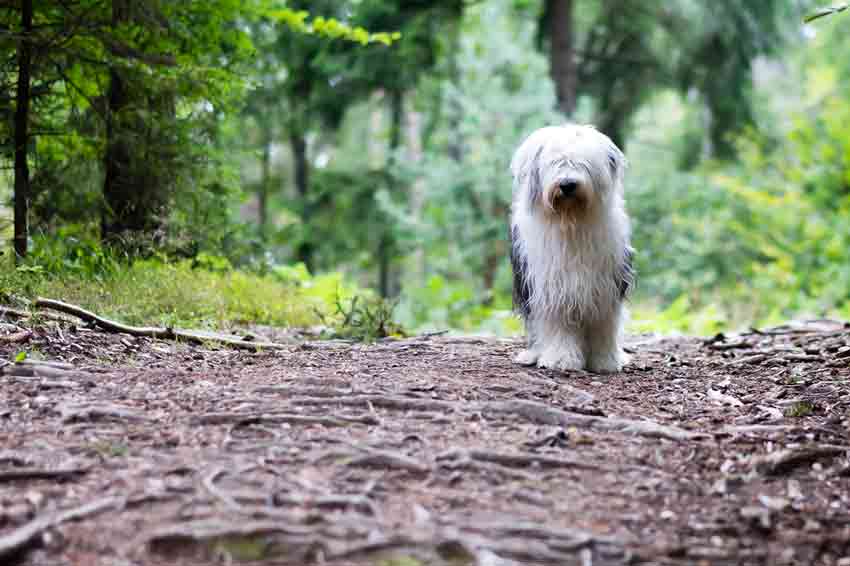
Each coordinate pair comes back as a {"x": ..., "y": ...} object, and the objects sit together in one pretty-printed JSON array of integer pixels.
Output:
[{"x": 427, "y": 450}]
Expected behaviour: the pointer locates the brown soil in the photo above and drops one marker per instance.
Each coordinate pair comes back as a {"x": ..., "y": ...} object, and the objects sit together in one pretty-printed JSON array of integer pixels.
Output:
[{"x": 430, "y": 450}]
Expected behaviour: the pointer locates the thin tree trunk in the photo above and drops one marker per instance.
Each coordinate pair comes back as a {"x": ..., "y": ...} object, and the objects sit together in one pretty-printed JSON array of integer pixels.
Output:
[
  {"x": 562, "y": 59},
  {"x": 117, "y": 189},
  {"x": 302, "y": 186},
  {"x": 386, "y": 246},
  {"x": 22, "y": 173},
  {"x": 141, "y": 152},
  {"x": 265, "y": 181},
  {"x": 456, "y": 141}
]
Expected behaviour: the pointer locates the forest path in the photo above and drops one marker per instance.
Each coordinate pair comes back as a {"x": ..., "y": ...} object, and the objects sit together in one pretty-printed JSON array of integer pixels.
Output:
[{"x": 430, "y": 450}]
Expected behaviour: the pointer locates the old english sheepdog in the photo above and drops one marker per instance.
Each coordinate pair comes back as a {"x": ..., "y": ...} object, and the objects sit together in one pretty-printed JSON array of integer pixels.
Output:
[{"x": 570, "y": 250}]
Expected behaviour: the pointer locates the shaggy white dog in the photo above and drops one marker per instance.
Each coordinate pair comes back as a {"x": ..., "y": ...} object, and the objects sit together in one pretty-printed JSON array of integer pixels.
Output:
[{"x": 570, "y": 249}]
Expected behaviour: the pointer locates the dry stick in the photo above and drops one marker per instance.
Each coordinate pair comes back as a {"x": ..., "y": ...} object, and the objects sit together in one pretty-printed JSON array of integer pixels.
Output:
[
  {"x": 152, "y": 331},
  {"x": 98, "y": 411},
  {"x": 13, "y": 313},
  {"x": 25, "y": 315},
  {"x": 392, "y": 460},
  {"x": 381, "y": 401},
  {"x": 17, "y": 337},
  {"x": 279, "y": 418},
  {"x": 40, "y": 371},
  {"x": 24, "y": 536},
  {"x": 16, "y": 474},
  {"x": 370, "y": 458},
  {"x": 520, "y": 460}
]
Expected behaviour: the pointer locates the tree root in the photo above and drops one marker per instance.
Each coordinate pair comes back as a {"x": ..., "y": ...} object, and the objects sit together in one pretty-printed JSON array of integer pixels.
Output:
[
  {"x": 786, "y": 460},
  {"x": 381, "y": 401},
  {"x": 532, "y": 411},
  {"x": 194, "y": 336},
  {"x": 242, "y": 419},
  {"x": 519, "y": 460},
  {"x": 545, "y": 415},
  {"x": 25, "y": 536},
  {"x": 18, "y": 474}
]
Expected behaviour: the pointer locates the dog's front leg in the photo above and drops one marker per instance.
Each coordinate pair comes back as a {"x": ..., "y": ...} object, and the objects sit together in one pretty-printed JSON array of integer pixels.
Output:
[
  {"x": 531, "y": 354},
  {"x": 560, "y": 344},
  {"x": 605, "y": 353}
]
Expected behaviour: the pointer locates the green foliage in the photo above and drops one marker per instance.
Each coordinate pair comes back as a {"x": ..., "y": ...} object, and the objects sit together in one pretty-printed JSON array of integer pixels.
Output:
[
  {"x": 800, "y": 409},
  {"x": 297, "y": 20},
  {"x": 366, "y": 320},
  {"x": 388, "y": 149},
  {"x": 760, "y": 239},
  {"x": 202, "y": 293}
]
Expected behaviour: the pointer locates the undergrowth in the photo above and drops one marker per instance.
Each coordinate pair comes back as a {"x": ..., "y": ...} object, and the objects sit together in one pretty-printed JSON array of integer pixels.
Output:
[
  {"x": 205, "y": 292},
  {"x": 208, "y": 292}
]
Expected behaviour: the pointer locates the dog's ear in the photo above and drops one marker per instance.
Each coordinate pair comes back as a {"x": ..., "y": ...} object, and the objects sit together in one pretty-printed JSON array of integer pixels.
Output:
[
  {"x": 535, "y": 183},
  {"x": 616, "y": 161},
  {"x": 525, "y": 167}
]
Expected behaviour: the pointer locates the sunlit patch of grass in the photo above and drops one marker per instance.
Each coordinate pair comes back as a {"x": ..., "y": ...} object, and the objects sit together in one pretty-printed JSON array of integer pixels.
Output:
[
  {"x": 155, "y": 292},
  {"x": 800, "y": 409}
]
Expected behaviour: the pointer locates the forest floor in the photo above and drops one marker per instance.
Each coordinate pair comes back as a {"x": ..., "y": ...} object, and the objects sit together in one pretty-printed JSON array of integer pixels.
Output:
[{"x": 429, "y": 450}]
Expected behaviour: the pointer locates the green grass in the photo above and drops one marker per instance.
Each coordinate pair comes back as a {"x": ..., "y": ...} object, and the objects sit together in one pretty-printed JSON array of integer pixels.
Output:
[
  {"x": 154, "y": 292},
  {"x": 800, "y": 409}
]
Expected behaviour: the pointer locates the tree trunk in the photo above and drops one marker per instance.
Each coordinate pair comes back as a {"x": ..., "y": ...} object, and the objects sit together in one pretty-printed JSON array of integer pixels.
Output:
[
  {"x": 140, "y": 153},
  {"x": 265, "y": 181},
  {"x": 455, "y": 109},
  {"x": 117, "y": 189},
  {"x": 302, "y": 186},
  {"x": 387, "y": 245},
  {"x": 22, "y": 108},
  {"x": 613, "y": 123},
  {"x": 562, "y": 60}
]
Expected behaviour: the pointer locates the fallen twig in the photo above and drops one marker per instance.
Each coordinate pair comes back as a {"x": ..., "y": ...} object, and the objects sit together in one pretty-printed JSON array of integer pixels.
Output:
[
  {"x": 42, "y": 370},
  {"x": 14, "y": 313},
  {"x": 17, "y": 474},
  {"x": 26, "y": 535},
  {"x": 725, "y": 346},
  {"x": 97, "y": 411},
  {"x": 381, "y": 401},
  {"x": 194, "y": 336},
  {"x": 384, "y": 459},
  {"x": 369, "y": 458},
  {"x": 277, "y": 418},
  {"x": 17, "y": 337},
  {"x": 519, "y": 460}
]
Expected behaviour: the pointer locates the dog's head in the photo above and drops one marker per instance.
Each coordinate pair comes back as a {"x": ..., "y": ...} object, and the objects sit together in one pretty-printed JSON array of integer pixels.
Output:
[{"x": 567, "y": 170}]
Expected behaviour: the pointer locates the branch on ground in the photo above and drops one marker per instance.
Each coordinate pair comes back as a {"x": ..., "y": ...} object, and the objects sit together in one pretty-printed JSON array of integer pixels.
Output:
[{"x": 194, "y": 336}]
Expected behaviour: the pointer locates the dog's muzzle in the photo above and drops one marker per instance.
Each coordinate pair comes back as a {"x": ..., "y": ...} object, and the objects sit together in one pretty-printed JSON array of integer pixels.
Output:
[{"x": 568, "y": 187}]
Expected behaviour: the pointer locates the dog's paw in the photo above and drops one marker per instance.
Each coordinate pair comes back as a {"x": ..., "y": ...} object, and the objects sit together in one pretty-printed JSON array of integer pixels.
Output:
[
  {"x": 527, "y": 358},
  {"x": 608, "y": 362},
  {"x": 560, "y": 360}
]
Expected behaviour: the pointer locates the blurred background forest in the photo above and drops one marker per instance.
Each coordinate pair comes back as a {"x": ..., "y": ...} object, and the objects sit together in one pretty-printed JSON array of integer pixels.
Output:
[{"x": 216, "y": 162}]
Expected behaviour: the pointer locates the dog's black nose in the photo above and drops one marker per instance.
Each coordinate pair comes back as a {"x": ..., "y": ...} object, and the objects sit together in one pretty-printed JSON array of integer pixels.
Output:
[{"x": 568, "y": 187}]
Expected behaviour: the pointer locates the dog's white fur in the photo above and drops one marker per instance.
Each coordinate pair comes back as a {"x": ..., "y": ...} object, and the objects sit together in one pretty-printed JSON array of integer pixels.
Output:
[{"x": 571, "y": 254}]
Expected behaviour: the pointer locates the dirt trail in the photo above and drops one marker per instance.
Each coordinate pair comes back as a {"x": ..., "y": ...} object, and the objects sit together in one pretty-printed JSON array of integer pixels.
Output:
[{"x": 425, "y": 451}]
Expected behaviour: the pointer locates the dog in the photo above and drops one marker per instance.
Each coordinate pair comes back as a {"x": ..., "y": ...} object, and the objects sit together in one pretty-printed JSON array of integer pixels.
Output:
[{"x": 570, "y": 249}]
